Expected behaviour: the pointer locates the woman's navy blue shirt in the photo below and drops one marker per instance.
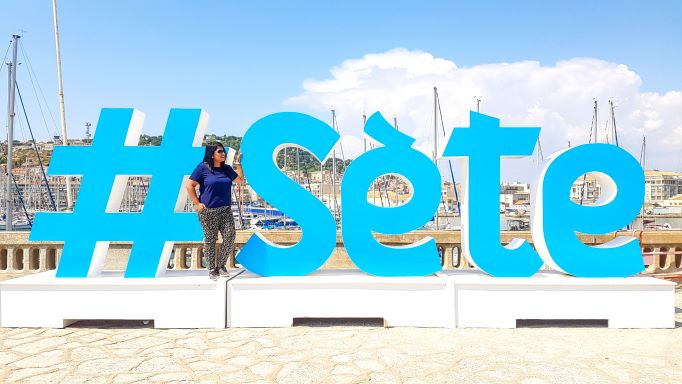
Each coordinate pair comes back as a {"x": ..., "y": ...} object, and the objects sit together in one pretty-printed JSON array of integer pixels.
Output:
[{"x": 214, "y": 185}]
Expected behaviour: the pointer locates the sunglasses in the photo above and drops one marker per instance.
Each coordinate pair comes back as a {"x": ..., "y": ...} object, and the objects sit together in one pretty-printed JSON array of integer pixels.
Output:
[{"x": 219, "y": 151}]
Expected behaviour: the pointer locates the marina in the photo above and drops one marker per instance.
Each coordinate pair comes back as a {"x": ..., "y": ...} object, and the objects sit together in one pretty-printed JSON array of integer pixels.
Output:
[{"x": 338, "y": 269}]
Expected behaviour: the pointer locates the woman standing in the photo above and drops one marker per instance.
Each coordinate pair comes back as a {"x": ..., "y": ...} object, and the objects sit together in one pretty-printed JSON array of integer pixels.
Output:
[{"x": 213, "y": 205}]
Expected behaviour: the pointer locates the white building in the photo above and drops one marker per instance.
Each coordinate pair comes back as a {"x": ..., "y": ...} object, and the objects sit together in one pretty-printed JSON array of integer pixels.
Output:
[
  {"x": 675, "y": 201},
  {"x": 661, "y": 185},
  {"x": 585, "y": 190},
  {"x": 514, "y": 194}
]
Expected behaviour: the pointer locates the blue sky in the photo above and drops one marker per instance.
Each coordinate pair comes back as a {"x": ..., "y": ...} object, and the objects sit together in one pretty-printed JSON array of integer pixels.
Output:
[{"x": 241, "y": 60}]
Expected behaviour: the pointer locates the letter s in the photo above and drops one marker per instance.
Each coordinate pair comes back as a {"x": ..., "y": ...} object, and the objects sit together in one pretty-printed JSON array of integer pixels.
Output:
[{"x": 260, "y": 146}]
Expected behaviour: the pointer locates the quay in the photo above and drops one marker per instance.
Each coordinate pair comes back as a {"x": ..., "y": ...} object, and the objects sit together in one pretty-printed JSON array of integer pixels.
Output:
[{"x": 336, "y": 350}]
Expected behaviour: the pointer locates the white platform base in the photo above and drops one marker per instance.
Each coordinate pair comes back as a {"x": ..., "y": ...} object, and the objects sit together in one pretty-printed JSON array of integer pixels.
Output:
[
  {"x": 181, "y": 299},
  {"x": 402, "y": 301},
  {"x": 189, "y": 299},
  {"x": 633, "y": 302}
]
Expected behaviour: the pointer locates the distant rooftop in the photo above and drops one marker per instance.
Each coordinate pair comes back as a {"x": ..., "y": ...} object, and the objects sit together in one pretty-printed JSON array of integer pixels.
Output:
[{"x": 656, "y": 172}]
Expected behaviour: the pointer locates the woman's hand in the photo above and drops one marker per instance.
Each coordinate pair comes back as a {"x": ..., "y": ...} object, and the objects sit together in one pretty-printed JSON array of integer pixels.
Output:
[{"x": 192, "y": 193}]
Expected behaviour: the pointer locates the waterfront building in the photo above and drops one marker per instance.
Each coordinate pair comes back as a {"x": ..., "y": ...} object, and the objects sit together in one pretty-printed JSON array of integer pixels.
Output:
[
  {"x": 585, "y": 190},
  {"x": 450, "y": 199},
  {"x": 661, "y": 185},
  {"x": 675, "y": 201},
  {"x": 324, "y": 176},
  {"x": 514, "y": 194}
]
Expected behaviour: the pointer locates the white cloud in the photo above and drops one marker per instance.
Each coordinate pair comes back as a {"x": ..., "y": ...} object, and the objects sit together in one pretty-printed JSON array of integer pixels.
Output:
[{"x": 559, "y": 98}]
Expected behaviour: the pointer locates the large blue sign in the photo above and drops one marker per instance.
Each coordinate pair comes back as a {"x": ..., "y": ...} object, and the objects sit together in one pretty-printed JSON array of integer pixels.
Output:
[{"x": 114, "y": 155}]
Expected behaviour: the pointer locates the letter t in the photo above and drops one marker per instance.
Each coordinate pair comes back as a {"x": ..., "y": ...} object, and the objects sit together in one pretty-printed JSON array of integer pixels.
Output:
[{"x": 482, "y": 146}]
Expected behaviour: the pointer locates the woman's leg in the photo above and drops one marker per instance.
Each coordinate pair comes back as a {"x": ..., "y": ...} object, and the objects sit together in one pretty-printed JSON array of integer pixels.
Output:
[
  {"x": 227, "y": 231},
  {"x": 210, "y": 226}
]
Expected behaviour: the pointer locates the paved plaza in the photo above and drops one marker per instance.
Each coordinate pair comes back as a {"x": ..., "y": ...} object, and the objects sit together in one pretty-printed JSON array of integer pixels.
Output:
[{"x": 342, "y": 352}]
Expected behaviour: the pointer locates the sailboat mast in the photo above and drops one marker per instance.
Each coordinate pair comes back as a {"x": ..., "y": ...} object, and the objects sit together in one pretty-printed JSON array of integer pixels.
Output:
[
  {"x": 62, "y": 112},
  {"x": 435, "y": 143},
  {"x": 364, "y": 138},
  {"x": 613, "y": 123},
  {"x": 596, "y": 122},
  {"x": 435, "y": 126},
  {"x": 593, "y": 127},
  {"x": 10, "y": 132},
  {"x": 642, "y": 154},
  {"x": 298, "y": 165},
  {"x": 374, "y": 183},
  {"x": 334, "y": 169}
]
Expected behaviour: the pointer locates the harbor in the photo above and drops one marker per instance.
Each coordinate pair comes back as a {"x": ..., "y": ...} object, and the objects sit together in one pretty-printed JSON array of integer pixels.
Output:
[{"x": 422, "y": 193}]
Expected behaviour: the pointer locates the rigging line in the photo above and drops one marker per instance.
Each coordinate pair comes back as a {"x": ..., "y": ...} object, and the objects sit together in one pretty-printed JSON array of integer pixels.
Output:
[
  {"x": 35, "y": 92},
  {"x": 452, "y": 174},
  {"x": 23, "y": 130},
  {"x": 5, "y": 58},
  {"x": 35, "y": 146},
  {"x": 21, "y": 200},
  {"x": 442, "y": 200},
  {"x": 336, "y": 126},
  {"x": 542, "y": 156},
  {"x": 31, "y": 76}
]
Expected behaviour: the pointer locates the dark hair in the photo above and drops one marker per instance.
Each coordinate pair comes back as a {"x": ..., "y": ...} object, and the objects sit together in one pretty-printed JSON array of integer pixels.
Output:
[{"x": 208, "y": 155}]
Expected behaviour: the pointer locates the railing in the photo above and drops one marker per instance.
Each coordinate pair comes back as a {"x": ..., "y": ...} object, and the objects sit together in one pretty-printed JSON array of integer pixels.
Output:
[{"x": 662, "y": 250}]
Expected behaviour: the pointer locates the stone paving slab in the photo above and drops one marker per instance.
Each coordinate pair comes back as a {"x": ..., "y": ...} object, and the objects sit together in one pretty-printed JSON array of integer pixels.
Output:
[{"x": 132, "y": 352}]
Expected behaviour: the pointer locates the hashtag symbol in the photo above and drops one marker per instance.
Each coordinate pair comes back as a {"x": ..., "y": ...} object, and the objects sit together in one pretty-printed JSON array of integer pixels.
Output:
[{"x": 105, "y": 166}]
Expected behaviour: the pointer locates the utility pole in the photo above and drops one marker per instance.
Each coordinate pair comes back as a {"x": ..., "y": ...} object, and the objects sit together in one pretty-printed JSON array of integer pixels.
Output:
[
  {"x": 62, "y": 112},
  {"x": 10, "y": 132}
]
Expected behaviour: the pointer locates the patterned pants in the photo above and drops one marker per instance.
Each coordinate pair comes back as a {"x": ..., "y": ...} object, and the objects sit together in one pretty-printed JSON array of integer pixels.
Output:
[{"x": 214, "y": 220}]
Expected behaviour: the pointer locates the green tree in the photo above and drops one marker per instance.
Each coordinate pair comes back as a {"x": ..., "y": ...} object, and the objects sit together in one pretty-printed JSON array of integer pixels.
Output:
[{"x": 146, "y": 140}]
